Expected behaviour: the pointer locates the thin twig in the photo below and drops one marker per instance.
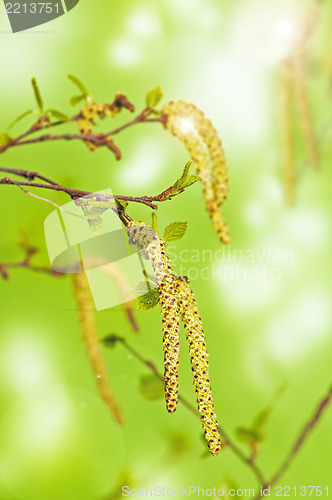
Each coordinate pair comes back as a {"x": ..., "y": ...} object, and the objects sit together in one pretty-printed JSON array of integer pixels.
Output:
[{"x": 77, "y": 193}]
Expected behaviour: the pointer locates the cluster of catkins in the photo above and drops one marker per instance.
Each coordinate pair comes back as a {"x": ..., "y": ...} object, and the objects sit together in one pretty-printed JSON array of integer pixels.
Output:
[
  {"x": 293, "y": 91},
  {"x": 93, "y": 110},
  {"x": 204, "y": 146},
  {"x": 177, "y": 299}
]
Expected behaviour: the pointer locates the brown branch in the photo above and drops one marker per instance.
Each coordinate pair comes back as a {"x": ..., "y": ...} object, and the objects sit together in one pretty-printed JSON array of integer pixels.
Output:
[
  {"x": 302, "y": 437},
  {"x": 76, "y": 193},
  {"x": 26, "y": 264},
  {"x": 99, "y": 140},
  {"x": 304, "y": 434}
]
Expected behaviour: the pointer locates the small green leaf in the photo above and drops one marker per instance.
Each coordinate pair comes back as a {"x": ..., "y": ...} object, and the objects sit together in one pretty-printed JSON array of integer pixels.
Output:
[
  {"x": 261, "y": 420},
  {"x": 184, "y": 181},
  {"x": 154, "y": 221},
  {"x": 149, "y": 300},
  {"x": 76, "y": 99},
  {"x": 121, "y": 205},
  {"x": 19, "y": 118},
  {"x": 247, "y": 435},
  {"x": 79, "y": 84},
  {"x": 153, "y": 97},
  {"x": 58, "y": 115},
  {"x": 5, "y": 139},
  {"x": 175, "y": 231},
  {"x": 150, "y": 387},
  {"x": 37, "y": 94},
  {"x": 111, "y": 340}
]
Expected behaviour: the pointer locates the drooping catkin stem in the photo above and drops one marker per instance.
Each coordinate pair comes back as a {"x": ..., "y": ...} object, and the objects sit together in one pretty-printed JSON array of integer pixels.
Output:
[
  {"x": 91, "y": 342},
  {"x": 200, "y": 365},
  {"x": 304, "y": 110},
  {"x": 285, "y": 114},
  {"x": 146, "y": 238},
  {"x": 189, "y": 124}
]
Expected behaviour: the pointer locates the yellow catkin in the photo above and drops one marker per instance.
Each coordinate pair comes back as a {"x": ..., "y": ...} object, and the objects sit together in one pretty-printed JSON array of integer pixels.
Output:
[
  {"x": 146, "y": 238},
  {"x": 285, "y": 114},
  {"x": 177, "y": 297},
  {"x": 304, "y": 110},
  {"x": 200, "y": 366},
  {"x": 204, "y": 146},
  {"x": 91, "y": 342}
]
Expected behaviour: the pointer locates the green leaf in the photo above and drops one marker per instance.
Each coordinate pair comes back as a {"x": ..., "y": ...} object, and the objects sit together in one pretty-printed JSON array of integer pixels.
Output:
[
  {"x": 37, "y": 94},
  {"x": 76, "y": 99},
  {"x": 111, "y": 340},
  {"x": 150, "y": 387},
  {"x": 184, "y": 181},
  {"x": 121, "y": 205},
  {"x": 154, "y": 221},
  {"x": 5, "y": 139},
  {"x": 79, "y": 84},
  {"x": 175, "y": 231},
  {"x": 261, "y": 419},
  {"x": 153, "y": 97},
  {"x": 247, "y": 435},
  {"x": 149, "y": 300},
  {"x": 58, "y": 115},
  {"x": 19, "y": 118}
]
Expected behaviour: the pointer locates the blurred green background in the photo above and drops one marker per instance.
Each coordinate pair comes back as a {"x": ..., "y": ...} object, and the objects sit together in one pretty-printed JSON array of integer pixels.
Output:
[{"x": 57, "y": 440}]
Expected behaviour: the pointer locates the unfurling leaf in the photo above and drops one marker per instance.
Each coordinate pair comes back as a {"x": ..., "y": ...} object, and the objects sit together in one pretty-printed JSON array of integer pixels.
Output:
[
  {"x": 175, "y": 231},
  {"x": 153, "y": 97},
  {"x": 121, "y": 205},
  {"x": 247, "y": 435},
  {"x": 150, "y": 387},
  {"x": 37, "y": 94},
  {"x": 154, "y": 222},
  {"x": 5, "y": 139},
  {"x": 19, "y": 118},
  {"x": 58, "y": 115},
  {"x": 149, "y": 300},
  {"x": 184, "y": 181},
  {"x": 261, "y": 420},
  {"x": 79, "y": 84},
  {"x": 76, "y": 99}
]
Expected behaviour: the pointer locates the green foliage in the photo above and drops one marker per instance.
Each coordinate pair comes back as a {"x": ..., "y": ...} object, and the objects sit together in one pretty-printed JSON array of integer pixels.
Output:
[
  {"x": 20, "y": 117},
  {"x": 153, "y": 97},
  {"x": 183, "y": 182},
  {"x": 149, "y": 299},
  {"x": 5, "y": 139},
  {"x": 58, "y": 115},
  {"x": 154, "y": 222},
  {"x": 84, "y": 91},
  {"x": 254, "y": 433},
  {"x": 175, "y": 231},
  {"x": 79, "y": 84},
  {"x": 150, "y": 387},
  {"x": 121, "y": 205},
  {"x": 37, "y": 95}
]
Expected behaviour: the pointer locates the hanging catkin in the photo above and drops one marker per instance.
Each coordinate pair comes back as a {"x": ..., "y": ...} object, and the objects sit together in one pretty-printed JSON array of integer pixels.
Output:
[
  {"x": 304, "y": 110},
  {"x": 90, "y": 338},
  {"x": 200, "y": 365},
  {"x": 204, "y": 146},
  {"x": 146, "y": 238},
  {"x": 177, "y": 297},
  {"x": 285, "y": 113}
]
